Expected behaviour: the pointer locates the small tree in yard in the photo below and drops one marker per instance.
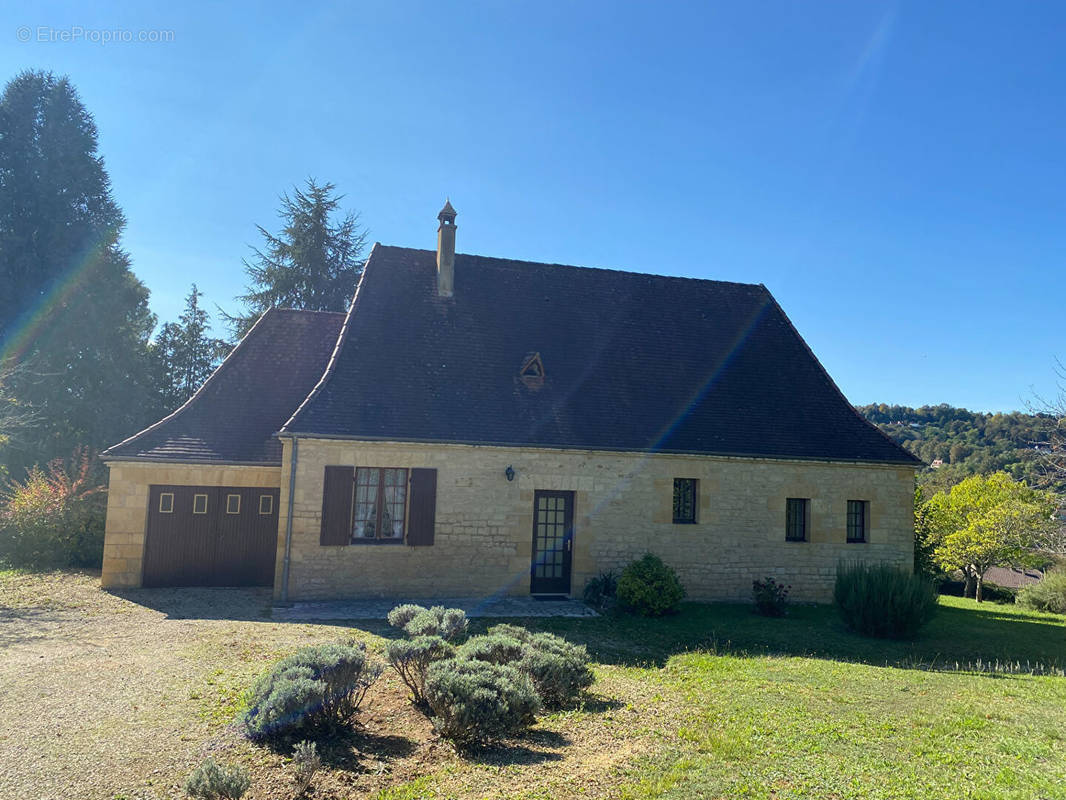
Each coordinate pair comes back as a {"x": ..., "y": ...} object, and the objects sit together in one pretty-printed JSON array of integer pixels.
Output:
[{"x": 989, "y": 521}]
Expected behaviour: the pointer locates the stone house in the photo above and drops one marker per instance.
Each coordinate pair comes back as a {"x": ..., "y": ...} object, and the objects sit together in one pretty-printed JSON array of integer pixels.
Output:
[{"x": 477, "y": 425}]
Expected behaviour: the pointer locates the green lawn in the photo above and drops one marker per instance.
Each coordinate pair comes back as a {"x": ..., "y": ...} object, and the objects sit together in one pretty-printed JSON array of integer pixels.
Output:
[{"x": 743, "y": 706}]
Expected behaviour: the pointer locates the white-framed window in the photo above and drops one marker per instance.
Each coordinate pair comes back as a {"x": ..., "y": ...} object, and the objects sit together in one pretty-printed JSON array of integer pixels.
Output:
[
  {"x": 166, "y": 503},
  {"x": 233, "y": 504},
  {"x": 380, "y": 511},
  {"x": 266, "y": 504},
  {"x": 199, "y": 504}
]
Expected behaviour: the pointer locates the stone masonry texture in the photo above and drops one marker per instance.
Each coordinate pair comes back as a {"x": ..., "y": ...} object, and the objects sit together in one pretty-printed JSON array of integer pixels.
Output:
[{"x": 623, "y": 509}]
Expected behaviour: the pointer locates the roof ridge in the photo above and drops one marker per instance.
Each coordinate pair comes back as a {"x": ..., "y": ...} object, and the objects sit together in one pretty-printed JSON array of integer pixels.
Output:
[
  {"x": 609, "y": 270},
  {"x": 306, "y": 311},
  {"x": 341, "y": 336}
]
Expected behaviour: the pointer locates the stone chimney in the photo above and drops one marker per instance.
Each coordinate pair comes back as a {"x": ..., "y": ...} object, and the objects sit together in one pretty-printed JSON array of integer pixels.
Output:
[{"x": 446, "y": 250}]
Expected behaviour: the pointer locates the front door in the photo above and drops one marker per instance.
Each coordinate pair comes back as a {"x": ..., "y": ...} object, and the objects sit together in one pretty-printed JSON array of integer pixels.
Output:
[{"x": 553, "y": 535}]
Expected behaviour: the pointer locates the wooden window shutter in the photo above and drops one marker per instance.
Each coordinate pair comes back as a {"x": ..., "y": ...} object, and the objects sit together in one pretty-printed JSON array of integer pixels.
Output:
[
  {"x": 423, "y": 513},
  {"x": 337, "y": 488}
]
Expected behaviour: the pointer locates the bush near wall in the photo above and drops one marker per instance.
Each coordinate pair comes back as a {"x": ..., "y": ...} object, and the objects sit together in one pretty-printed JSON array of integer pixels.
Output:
[
  {"x": 54, "y": 517},
  {"x": 650, "y": 588}
]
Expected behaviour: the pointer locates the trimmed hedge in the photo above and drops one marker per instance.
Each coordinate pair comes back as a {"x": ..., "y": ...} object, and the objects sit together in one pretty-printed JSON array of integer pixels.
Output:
[{"x": 882, "y": 600}]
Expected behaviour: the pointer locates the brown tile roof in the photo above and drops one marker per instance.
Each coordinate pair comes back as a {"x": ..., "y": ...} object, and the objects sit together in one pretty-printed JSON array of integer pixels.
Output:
[
  {"x": 233, "y": 417},
  {"x": 630, "y": 362},
  {"x": 1012, "y": 577}
]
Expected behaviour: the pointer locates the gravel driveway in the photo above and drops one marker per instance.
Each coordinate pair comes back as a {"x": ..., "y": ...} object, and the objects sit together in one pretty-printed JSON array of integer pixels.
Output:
[{"x": 111, "y": 696}]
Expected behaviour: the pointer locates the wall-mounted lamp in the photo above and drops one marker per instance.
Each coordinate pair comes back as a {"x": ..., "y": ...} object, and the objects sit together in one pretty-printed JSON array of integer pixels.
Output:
[{"x": 509, "y": 472}]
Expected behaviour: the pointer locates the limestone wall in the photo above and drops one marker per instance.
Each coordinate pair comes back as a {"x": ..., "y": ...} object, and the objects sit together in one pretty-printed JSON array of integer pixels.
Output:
[{"x": 622, "y": 510}]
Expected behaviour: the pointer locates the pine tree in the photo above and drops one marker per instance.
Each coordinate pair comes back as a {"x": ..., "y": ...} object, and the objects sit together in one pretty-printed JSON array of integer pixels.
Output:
[
  {"x": 313, "y": 263},
  {"x": 74, "y": 320},
  {"x": 184, "y": 355}
]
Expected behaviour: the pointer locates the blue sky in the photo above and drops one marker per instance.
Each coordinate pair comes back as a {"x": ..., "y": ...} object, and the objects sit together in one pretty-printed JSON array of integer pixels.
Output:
[{"x": 893, "y": 172}]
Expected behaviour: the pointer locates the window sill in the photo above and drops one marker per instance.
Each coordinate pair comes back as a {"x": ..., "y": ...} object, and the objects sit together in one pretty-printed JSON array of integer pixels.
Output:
[
  {"x": 795, "y": 541},
  {"x": 372, "y": 542},
  {"x": 685, "y": 521},
  {"x": 856, "y": 541}
]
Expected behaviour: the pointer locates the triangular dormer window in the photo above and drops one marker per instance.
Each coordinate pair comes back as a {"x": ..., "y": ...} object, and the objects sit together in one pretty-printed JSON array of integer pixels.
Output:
[{"x": 532, "y": 372}]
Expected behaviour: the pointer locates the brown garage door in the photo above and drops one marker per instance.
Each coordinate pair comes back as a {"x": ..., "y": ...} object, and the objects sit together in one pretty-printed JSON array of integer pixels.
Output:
[{"x": 210, "y": 536}]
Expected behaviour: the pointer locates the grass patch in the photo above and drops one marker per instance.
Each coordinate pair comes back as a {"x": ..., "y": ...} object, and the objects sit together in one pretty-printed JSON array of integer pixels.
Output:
[
  {"x": 714, "y": 701},
  {"x": 963, "y": 632},
  {"x": 801, "y": 707}
]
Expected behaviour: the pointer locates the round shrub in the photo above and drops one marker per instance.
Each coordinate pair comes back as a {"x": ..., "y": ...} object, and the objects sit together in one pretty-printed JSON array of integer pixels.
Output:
[
  {"x": 474, "y": 701},
  {"x": 882, "y": 600},
  {"x": 559, "y": 670},
  {"x": 650, "y": 588},
  {"x": 211, "y": 781},
  {"x": 411, "y": 658},
  {"x": 447, "y": 623},
  {"x": 1047, "y": 595},
  {"x": 494, "y": 648},
  {"x": 401, "y": 615},
  {"x": 510, "y": 631},
  {"x": 314, "y": 690}
]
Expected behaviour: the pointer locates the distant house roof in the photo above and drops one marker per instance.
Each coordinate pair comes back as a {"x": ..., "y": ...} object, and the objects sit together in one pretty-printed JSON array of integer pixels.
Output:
[
  {"x": 235, "y": 414},
  {"x": 1012, "y": 577},
  {"x": 625, "y": 361}
]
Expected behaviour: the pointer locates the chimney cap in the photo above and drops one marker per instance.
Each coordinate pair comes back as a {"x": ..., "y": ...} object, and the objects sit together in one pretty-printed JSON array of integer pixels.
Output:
[{"x": 447, "y": 212}]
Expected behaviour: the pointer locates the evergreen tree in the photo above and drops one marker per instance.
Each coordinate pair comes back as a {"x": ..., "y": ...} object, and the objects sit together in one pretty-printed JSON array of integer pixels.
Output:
[
  {"x": 74, "y": 321},
  {"x": 313, "y": 263},
  {"x": 184, "y": 355}
]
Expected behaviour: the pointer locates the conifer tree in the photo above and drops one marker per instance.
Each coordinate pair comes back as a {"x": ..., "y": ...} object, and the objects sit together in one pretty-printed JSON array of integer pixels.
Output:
[
  {"x": 314, "y": 262},
  {"x": 74, "y": 320},
  {"x": 184, "y": 354}
]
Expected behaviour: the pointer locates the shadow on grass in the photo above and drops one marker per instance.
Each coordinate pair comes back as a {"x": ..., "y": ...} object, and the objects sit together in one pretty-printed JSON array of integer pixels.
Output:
[
  {"x": 960, "y": 635},
  {"x": 533, "y": 747},
  {"x": 349, "y": 749}
]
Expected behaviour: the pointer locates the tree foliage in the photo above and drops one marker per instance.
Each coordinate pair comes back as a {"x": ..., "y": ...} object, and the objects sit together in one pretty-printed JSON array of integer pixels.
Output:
[
  {"x": 74, "y": 320},
  {"x": 184, "y": 355},
  {"x": 313, "y": 263},
  {"x": 969, "y": 442},
  {"x": 990, "y": 521}
]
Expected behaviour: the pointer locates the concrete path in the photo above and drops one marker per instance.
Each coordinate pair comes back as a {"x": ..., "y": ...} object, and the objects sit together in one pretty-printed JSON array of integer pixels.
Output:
[{"x": 473, "y": 606}]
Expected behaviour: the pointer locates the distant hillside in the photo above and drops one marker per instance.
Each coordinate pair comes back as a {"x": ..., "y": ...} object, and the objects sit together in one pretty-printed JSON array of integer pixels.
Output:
[{"x": 965, "y": 442}]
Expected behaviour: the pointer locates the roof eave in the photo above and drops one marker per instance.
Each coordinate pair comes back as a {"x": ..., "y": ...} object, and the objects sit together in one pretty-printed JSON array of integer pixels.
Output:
[{"x": 286, "y": 434}]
